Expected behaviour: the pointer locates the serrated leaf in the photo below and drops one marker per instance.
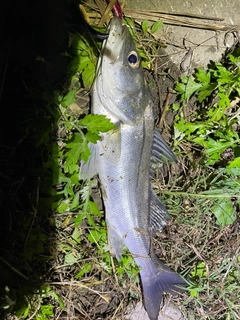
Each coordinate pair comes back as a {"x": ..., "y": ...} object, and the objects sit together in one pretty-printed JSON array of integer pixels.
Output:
[
  {"x": 234, "y": 164},
  {"x": 69, "y": 98},
  {"x": 93, "y": 208},
  {"x": 90, "y": 220},
  {"x": 224, "y": 212},
  {"x": 46, "y": 310},
  {"x": 87, "y": 267},
  {"x": 217, "y": 146},
  {"x": 156, "y": 26},
  {"x": 203, "y": 76},
  {"x": 199, "y": 270},
  {"x": 78, "y": 150},
  {"x": 78, "y": 43},
  {"x": 74, "y": 65},
  {"x": 187, "y": 87},
  {"x": 222, "y": 74},
  {"x": 68, "y": 190},
  {"x": 215, "y": 114},
  {"x": 96, "y": 123},
  {"x": 75, "y": 202},
  {"x": 206, "y": 90},
  {"x": 233, "y": 171},
  {"x": 62, "y": 207},
  {"x": 92, "y": 137},
  {"x": 85, "y": 192},
  {"x": 75, "y": 177},
  {"x": 73, "y": 168},
  {"x": 56, "y": 297},
  {"x": 224, "y": 101},
  {"x": 78, "y": 220},
  {"x": 144, "y": 26}
]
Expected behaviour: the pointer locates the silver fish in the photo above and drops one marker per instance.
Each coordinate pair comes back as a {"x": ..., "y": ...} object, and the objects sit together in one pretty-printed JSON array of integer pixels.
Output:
[{"x": 123, "y": 158}]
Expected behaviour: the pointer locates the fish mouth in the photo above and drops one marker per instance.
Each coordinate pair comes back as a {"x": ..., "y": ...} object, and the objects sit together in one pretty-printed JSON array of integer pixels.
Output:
[
  {"x": 117, "y": 34},
  {"x": 115, "y": 25}
]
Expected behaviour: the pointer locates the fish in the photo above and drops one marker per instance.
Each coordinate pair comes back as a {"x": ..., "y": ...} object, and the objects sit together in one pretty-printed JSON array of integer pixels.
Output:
[{"x": 124, "y": 159}]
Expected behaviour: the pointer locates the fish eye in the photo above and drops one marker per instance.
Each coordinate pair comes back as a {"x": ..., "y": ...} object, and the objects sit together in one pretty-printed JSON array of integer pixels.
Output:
[{"x": 133, "y": 59}]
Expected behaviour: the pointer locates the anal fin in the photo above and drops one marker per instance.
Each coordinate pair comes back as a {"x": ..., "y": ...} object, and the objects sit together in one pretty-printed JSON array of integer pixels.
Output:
[
  {"x": 159, "y": 215},
  {"x": 161, "y": 152}
]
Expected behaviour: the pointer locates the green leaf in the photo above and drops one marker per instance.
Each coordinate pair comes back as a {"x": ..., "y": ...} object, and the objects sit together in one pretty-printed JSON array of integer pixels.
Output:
[
  {"x": 88, "y": 74},
  {"x": 144, "y": 25},
  {"x": 187, "y": 87},
  {"x": 206, "y": 90},
  {"x": 69, "y": 98},
  {"x": 233, "y": 171},
  {"x": 130, "y": 25},
  {"x": 93, "y": 208},
  {"x": 203, "y": 76},
  {"x": 75, "y": 178},
  {"x": 75, "y": 202},
  {"x": 62, "y": 207},
  {"x": 222, "y": 74},
  {"x": 74, "y": 65},
  {"x": 156, "y": 26},
  {"x": 46, "y": 310},
  {"x": 92, "y": 137},
  {"x": 224, "y": 212},
  {"x": 199, "y": 270},
  {"x": 83, "y": 62},
  {"x": 87, "y": 267},
  {"x": 78, "y": 220},
  {"x": 73, "y": 168},
  {"x": 78, "y": 150},
  {"x": 235, "y": 163},
  {"x": 217, "y": 146},
  {"x": 224, "y": 101},
  {"x": 96, "y": 123},
  {"x": 71, "y": 258},
  {"x": 215, "y": 114},
  {"x": 76, "y": 235},
  {"x": 194, "y": 292}
]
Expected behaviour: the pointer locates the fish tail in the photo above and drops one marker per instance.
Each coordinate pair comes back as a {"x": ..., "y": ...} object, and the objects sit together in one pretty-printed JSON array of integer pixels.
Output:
[{"x": 155, "y": 282}]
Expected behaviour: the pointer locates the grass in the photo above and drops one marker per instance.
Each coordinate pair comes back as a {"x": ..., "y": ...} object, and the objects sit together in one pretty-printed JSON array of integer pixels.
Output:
[{"x": 56, "y": 261}]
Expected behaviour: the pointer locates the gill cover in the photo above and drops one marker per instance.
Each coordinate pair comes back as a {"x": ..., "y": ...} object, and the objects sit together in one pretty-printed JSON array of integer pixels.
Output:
[{"x": 120, "y": 83}]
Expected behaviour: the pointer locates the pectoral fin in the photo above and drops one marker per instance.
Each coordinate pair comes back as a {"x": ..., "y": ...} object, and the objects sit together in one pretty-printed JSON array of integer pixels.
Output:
[
  {"x": 89, "y": 169},
  {"x": 116, "y": 242}
]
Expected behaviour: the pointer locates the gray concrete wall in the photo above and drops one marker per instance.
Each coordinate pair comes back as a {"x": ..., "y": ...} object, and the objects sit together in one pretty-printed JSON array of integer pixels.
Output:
[{"x": 205, "y": 45}]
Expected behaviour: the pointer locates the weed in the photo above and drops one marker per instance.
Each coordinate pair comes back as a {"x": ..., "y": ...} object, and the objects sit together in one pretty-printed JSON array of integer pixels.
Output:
[{"x": 206, "y": 132}]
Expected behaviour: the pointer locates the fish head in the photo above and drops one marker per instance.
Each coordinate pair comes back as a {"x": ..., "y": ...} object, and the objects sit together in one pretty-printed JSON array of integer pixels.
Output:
[{"x": 120, "y": 85}]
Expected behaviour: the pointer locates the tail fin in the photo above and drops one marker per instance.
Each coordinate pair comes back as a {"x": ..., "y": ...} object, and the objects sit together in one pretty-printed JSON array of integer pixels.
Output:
[{"x": 155, "y": 282}]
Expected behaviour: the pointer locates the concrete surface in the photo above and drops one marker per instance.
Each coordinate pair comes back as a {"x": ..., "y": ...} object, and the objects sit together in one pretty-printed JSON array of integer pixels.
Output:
[
  {"x": 203, "y": 46},
  {"x": 168, "y": 312}
]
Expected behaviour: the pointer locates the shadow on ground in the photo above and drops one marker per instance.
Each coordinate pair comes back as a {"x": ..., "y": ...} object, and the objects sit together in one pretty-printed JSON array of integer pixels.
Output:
[{"x": 33, "y": 37}]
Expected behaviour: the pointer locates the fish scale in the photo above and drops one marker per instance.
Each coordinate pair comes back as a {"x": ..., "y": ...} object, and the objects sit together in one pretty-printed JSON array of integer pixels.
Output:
[{"x": 123, "y": 158}]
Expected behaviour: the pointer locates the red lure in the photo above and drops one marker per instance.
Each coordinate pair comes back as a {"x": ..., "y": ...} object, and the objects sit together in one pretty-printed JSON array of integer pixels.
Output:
[{"x": 116, "y": 10}]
